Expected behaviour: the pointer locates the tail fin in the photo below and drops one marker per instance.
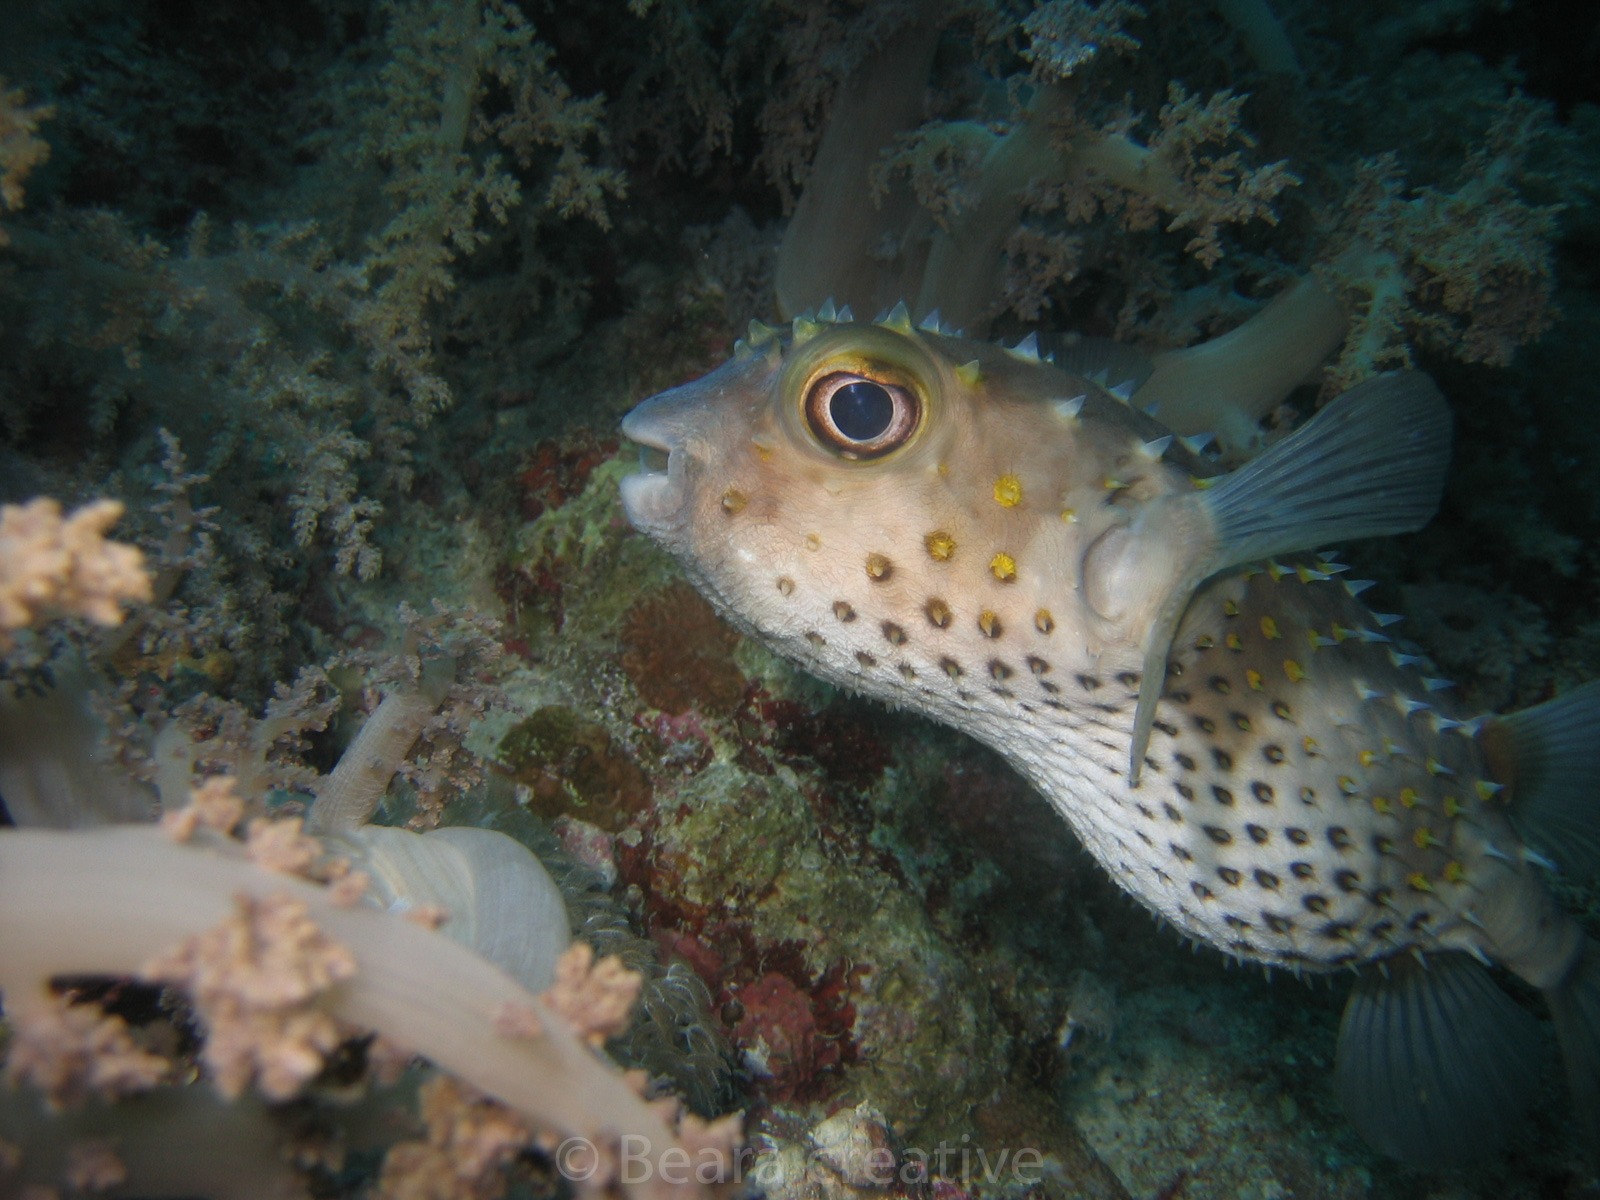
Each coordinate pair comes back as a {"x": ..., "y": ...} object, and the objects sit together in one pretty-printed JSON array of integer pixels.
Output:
[
  {"x": 1546, "y": 753},
  {"x": 1575, "y": 1006}
]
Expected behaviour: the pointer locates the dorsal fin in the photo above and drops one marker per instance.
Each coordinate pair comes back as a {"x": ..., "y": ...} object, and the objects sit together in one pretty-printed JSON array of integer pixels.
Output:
[{"x": 1546, "y": 755}]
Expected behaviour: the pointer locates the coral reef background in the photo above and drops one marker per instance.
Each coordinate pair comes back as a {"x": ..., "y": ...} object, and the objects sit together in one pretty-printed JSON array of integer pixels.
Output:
[{"x": 343, "y": 302}]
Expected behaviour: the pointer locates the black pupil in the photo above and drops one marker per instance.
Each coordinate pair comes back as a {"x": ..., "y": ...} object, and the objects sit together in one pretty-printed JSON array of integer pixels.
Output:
[{"x": 862, "y": 410}]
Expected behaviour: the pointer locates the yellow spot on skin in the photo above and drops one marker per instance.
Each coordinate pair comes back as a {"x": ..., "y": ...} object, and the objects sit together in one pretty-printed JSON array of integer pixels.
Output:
[
  {"x": 1253, "y": 678},
  {"x": 969, "y": 375},
  {"x": 1276, "y": 570},
  {"x": 1201, "y": 485},
  {"x": 733, "y": 501},
  {"x": 1008, "y": 491},
  {"x": 1113, "y": 485},
  {"x": 1419, "y": 882},
  {"x": 941, "y": 546},
  {"x": 1452, "y": 807},
  {"x": 1293, "y": 670},
  {"x": 1423, "y": 838},
  {"x": 1368, "y": 757},
  {"x": 1204, "y": 642},
  {"x": 786, "y": 586},
  {"x": 1310, "y": 745},
  {"x": 990, "y": 624},
  {"x": 1435, "y": 767},
  {"x": 1043, "y": 621},
  {"x": 1488, "y": 791},
  {"x": 1408, "y": 797},
  {"x": 1380, "y": 804},
  {"x": 1348, "y": 785},
  {"x": 813, "y": 542},
  {"x": 763, "y": 452},
  {"x": 1069, "y": 515},
  {"x": 943, "y": 468},
  {"x": 1003, "y": 567},
  {"x": 878, "y": 568},
  {"x": 1229, "y": 608},
  {"x": 1233, "y": 642},
  {"x": 1340, "y": 633},
  {"x": 1454, "y": 872}
]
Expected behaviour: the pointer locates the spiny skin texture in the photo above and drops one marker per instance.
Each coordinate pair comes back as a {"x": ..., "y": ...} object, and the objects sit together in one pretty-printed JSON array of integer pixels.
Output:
[{"x": 1306, "y": 801}]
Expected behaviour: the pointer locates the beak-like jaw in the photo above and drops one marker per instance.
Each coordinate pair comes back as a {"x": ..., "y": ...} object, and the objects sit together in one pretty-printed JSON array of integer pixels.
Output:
[{"x": 654, "y": 498}]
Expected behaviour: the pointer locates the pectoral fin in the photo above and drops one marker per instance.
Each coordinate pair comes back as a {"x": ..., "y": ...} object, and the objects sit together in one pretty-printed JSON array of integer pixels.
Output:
[{"x": 1370, "y": 463}]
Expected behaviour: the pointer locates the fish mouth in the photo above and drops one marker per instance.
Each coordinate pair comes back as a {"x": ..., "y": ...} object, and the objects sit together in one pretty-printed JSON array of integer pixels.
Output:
[{"x": 652, "y": 496}]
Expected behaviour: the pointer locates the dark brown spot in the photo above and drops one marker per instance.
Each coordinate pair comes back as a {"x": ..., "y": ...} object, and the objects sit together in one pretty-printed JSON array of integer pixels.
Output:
[
  {"x": 1172, "y": 813},
  {"x": 1184, "y": 761},
  {"x": 843, "y": 611},
  {"x": 1087, "y": 682},
  {"x": 1298, "y": 836},
  {"x": 1382, "y": 844},
  {"x": 1219, "y": 835},
  {"x": 998, "y": 670},
  {"x": 1222, "y": 795},
  {"x": 1229, "y": 876},
  {"x": 865, "y": 659},
  {"x": 1178, "y": 697},
  {"x": 1036, "y": 664},
  {"x": 1273, "y": 754},
  {"x": 1262, "y": 792},
  {"x": 1258, "y": 835},
  {"x": 1315, "y": 903},
  {"x": 733, "y": 501},
  {"x": 1184, "y": 790},
  {"x": 1418, "y": 920},
  {"x": 950, "y": 667},
  {"x": 1219, "y": 685},
  {"x": 989, "y": 624},
  {"x": 1339, "y": 837},
  {"x": 1222, "y": 758},
  {"x": 785, "y": 586},
  {"x": 1240, "y": 721},
  {"x": 816, "y": 639},
  {"x": 1205, "y": 725},
  {"x": 1179, "y": 853},
  {"x": 1382, "y": 896},
  {"x": 879, "y": 568},
  {"x": 1267, "y": 880},
  {"x": 1128, "y": 680},
  {"x": 1164, "y": 727},
  {"x": 1302, "y": 870},
  {"x": 938, "y": 613},
  {"x": 1281, "y": 710},
  {"x": 1043, "y": 621},
  {"x": 1347, "y": 881},
  {"x": 1276, "y": 923},
  {"x": 1236, "y": 922},
  {"x": 893, "y": 634},
  {"x": 907, "y": 672},
  {"x": 1308, "y": 795},
  {"x": 1201, "y": 891}
]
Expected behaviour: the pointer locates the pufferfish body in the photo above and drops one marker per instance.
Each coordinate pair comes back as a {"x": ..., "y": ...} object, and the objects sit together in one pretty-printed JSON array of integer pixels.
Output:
[{"x": 1014, "y": 550}]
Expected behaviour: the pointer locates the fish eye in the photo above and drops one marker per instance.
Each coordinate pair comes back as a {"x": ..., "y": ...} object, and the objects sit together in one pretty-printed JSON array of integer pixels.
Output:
[{"x": 861, "y": 417}]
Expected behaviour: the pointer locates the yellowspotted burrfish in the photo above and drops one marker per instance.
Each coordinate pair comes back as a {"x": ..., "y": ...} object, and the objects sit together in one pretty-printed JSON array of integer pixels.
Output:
[{"x": 1165, "y": 652}]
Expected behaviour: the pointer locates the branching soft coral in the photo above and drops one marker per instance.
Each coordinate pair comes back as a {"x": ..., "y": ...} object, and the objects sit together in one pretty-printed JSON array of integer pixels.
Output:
[
  {"x": 54, "y": 565},
  {"x": 1465, "y": 272},
  {"x": 20, "y": 150}
]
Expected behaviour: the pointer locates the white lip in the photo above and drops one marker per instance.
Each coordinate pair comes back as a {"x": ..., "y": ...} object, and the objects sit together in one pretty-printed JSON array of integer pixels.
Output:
[{"x": 651, "y": 497}]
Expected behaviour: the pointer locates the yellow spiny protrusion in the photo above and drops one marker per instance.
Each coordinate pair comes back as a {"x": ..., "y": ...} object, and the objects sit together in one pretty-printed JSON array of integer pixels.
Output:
[
  {"x": 1380, "y": 804},
  {"x": 1454, "y": 872},
  {"x": 1008, "y": 491},
  {"x": 1309, "y": 744},
  {"x": 802, "y": 329},
  {"x": 1003, "y": 567},
  {"x": 1348, "y": 785},
  {"x": 1234, "y": 642},
  {"x": 1452, "y": 807},
  {"x": 1253, "y": 678},
  {"x": 1408, "y": 797},
  {"x": 941, "y": 546},
  {"x": 1423, "y": 838},
  {"x": 1419, "y": 882},
  {"x": 1277, "y": 570},
  {"x": 969, "y": 375},
  {"x": 1293, "y": 670},
  {"x": 1367, "y": 757},
  {"x": 1230, "y": 609},
  {"x": 734, "y": 501},
  {"x": 1204, "y": 642},
  {"x": 1340, "y": 632},
  {"x": 1269, "y": 628},
  {"x": 1069, "y": 515}
]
